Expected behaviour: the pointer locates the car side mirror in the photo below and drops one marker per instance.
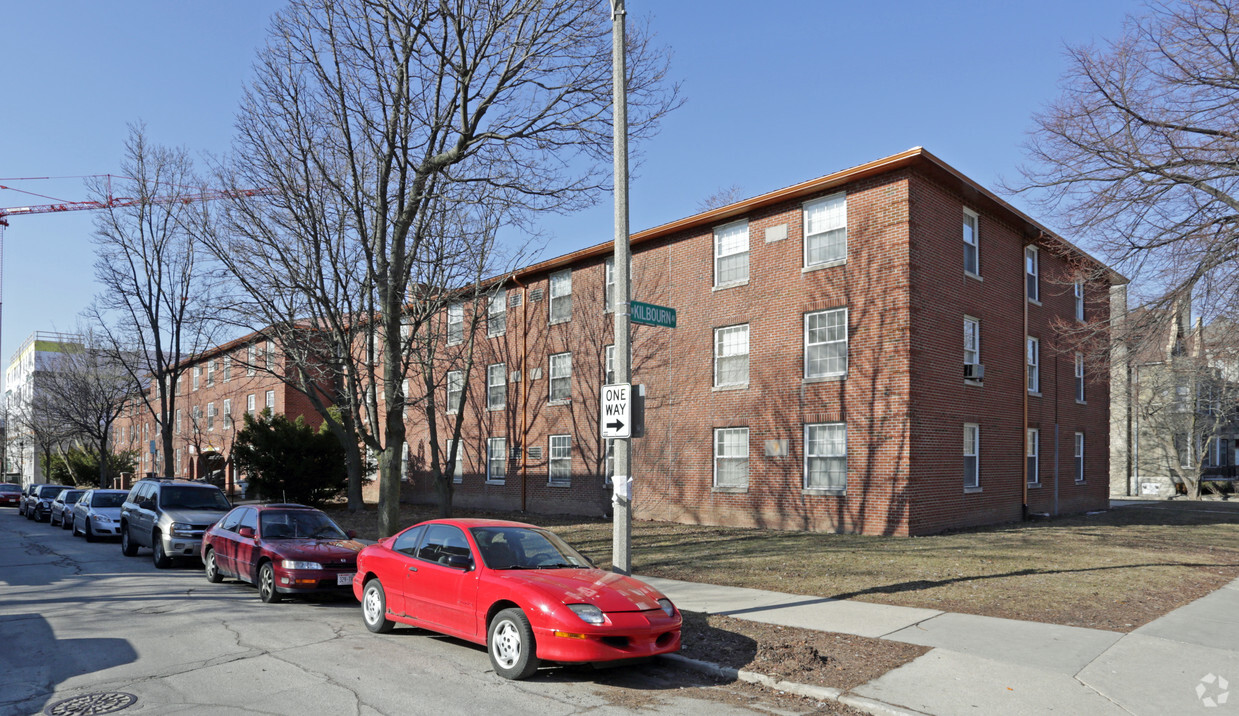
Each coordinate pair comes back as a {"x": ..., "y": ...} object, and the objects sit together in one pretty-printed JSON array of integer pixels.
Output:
[
  {"x": 459, "y": 561},
  {"x": 246, "y": 532}
]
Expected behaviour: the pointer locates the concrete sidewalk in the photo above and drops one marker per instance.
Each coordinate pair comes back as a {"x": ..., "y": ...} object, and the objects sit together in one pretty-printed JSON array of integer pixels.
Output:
[{"x": 1182, "y": 663}]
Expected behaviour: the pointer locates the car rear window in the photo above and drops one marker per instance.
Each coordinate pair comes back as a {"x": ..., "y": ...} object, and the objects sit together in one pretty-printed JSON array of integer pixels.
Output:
[
  {"x": 51, "y": 490},
  {"x": 10, "y": 488},
  {"x": 107, "y": 499}
]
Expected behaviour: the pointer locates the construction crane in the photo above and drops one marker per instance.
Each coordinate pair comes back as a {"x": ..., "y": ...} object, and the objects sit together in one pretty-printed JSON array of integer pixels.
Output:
[{"x": 110, "y": 202}]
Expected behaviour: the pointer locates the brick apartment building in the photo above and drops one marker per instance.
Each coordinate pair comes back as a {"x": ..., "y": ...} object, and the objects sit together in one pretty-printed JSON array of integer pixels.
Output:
[
  {"x": 225, "y": 382},
  {"x": 814, "y": 378}
]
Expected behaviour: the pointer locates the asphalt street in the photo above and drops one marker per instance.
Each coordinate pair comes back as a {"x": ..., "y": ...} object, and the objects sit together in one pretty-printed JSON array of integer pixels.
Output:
[{"x": 79, "y": 619}]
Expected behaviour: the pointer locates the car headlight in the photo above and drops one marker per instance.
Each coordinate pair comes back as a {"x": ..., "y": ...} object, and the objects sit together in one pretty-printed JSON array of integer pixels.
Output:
[
  {"x": 588, "y": 613},
  {"x": 294, "y": 564},
  {"x": 102, "y": 519},
  {"x": 181, "y": 529},
  {"x": 668, "y": 607}
]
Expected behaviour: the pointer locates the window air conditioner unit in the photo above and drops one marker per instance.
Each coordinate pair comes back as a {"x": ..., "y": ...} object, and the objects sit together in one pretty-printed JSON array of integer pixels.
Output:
[{"x": 974, "y": 371}]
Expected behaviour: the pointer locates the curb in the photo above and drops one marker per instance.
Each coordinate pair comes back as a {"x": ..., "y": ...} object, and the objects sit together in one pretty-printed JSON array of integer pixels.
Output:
[{"x": 821, "y": 693}]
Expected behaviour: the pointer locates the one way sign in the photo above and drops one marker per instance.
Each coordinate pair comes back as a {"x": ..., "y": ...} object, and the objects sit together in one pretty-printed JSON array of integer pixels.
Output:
[{"x": 617, "y": 411}]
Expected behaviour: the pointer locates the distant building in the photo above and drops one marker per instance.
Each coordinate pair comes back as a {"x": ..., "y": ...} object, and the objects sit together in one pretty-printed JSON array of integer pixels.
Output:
[{"x": 28, "y": 438}]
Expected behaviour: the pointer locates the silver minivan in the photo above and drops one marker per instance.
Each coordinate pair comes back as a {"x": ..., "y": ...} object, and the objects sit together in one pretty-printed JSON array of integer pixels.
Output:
[{"x": 169, "y": 516}]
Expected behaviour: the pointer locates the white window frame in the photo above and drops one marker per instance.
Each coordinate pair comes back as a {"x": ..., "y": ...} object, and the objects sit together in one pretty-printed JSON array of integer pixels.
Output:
[
  {"x": 741, "y": 248},
  {"x": 731, "y": 350},
  {"x": 809, "y": 345},
  {"x": 455, "y": 323},
  {"x": 268, "y": 356},
  {"x": 227, "y": 360},
  {"x": 972, "y": 449},
  {"x": 251, "y": 356},
  {"x": 560, "y": 377},
  {"x": 719, "y": 434},
  {"x": 1079, "y": 457},
  {"x": 836, "y": 206},
  {"x": 270, "y": 402},
  {"x": 497, "y": 314},
  {"x": 227, "y": 413},
  {"x": 1078, "y": 292},
  {"x": 210, "y": 377},
  {"x": 1032, "y": 274},
  {"x": 972, "y": 229},
  {"x": 178, "y": 421},
  {"x": 818, "y": 450},
  {"x": 497, "y": 387},
  {"x": 499, "y": 475},
  {"x": 249, "y": 404},
  {"x": 972, "y": 341},
  {"x": 608, "y": 363},
  {"x": 458, "y": 468},
  {"x": 457, "y": 378},
  {"x": 404, "y": 461},
  {"x": 559, "y": 461},
  {"x": 561, "y": 297},
  {"x": 210, "y": 421},
  {"x": 197, "y": 372},
  {"x": 1032, "y": 455},
  {"x": 1032, "y": 359},
  {"x": 1079, "y": 374},
  {"x": 609, "y": 285}
]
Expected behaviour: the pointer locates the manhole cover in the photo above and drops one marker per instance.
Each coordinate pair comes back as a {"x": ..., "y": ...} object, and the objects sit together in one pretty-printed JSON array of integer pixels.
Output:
[{"x": 101, "y": 702}]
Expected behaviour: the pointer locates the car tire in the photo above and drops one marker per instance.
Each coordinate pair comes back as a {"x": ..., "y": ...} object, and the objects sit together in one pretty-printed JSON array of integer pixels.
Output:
[
  {"x": 266, "y": 584},
  {"x": 127, "y": 547},
  {"x": 510, "y": 643},
  {"x": 158, "y": 556},
  {"x": 209, "y": 568},
  {"x": 374, "y": 608},
  {"x": 51, "y": 520},
  {"x": 89, "y": 533},
  {"x": 65, "y": 524}
]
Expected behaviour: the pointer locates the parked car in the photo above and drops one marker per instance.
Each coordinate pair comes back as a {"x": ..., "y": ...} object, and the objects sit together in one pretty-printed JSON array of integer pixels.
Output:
[
  {"x": 62, "y": 508},
  {"x": 26, "y": 497},
  {"x": 39, "y": 502},
  {"x": 97, "y": 514},
  {"x": 169, "y": 516},
  {"x": 283, "y": 549},
  {"x": 10, "y": 494},
  {"x": 516, "y": 588}
]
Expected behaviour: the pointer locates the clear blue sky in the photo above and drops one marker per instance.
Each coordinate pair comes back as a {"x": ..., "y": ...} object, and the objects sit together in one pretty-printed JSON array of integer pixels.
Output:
[{"x": 776, "y": 92}]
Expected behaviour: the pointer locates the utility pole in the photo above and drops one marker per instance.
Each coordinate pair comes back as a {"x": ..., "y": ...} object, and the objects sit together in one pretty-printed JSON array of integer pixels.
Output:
[{"x": 621, "y": 557}]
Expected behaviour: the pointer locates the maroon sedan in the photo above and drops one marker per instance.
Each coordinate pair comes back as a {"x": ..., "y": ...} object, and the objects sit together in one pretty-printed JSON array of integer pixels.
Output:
[
  {"x": 10, "y": 494},
  {"x": 283, "y": 548}
]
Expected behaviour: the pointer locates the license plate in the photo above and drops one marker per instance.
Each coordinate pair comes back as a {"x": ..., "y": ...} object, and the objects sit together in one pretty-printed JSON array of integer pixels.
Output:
[{"x": 343, "y": 579}]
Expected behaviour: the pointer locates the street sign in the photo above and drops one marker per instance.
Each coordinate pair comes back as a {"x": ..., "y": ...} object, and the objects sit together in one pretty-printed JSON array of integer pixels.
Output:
[
  {"x": 651, "y": 315},
  {"x": 616, "y": 411}
]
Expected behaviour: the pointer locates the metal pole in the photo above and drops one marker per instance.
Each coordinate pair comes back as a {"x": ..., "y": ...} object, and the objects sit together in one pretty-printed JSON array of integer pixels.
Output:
[{"x": 621, "y": 558}]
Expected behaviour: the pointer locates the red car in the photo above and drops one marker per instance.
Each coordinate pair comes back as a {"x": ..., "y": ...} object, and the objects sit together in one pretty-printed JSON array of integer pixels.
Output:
[
  {"x": 518, "y": 589},
  {"x": 284, "y": 549},
  {"x": 10, "y": 494}
]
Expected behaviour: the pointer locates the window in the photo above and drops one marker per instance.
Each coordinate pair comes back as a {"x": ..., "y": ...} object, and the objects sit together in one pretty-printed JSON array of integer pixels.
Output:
[
  {"x": 731, "y": 254},
  {"x": 1034, "y": 357},
  {"x": 251, "y": 358},
  {"x": 178, "y": 421},
  {"x": 227, "y": 413},
  {"x": 1079, "y": 377},
  {"x": 496, "y": 386},
  {"x": 561, "y": 296},
  {"x": 178, "y": 461},
  {"x": 609, "y": 364},
  {"x": 1079, "y": 296},
  {"x": 249, "y": 403},
  {"x": 972, "y": 255},
  {"x": 457, "y": 469},
  {"x": 826, "y": 343},
  {"x": 1031, "y": 451},
  {"x": 455, "y": 390},
  {"x": 1217, "y": 453},
  {"x": 1031, "y": 271},
  {"x": 972, "y": 341},
  {"x": 826, "y": 456},
  {"x": 1079, "y": 457},
  {"x": 271, "y": 400},
  {"x": 455, "y": 323},
  {"x": 404, "y": 461},
  {"x": 496, "y": 459},
  {"x": 561, "y": 377},
  {"x": 197, "y": 373},
  {"x": 1184, "y": 449},
  {"x": 211, "y": 372},
  {"x": 972, "y": 455},
  {"x": 210, "y": 424},
  {"x": 497, "y": 313},
  {"x": 609, "y": 468},
  {"x": 825, "y": 231},
  {"x": 560, "y": 470},
  {"x": 195, "y": 417},
  {"x": 227, "y": 368},
  {"x": 269, "y": 356},
  {"x": 610, "y": 284},
  {"x": 731, "y": 356},
  {"x": 731, "y": 457}
]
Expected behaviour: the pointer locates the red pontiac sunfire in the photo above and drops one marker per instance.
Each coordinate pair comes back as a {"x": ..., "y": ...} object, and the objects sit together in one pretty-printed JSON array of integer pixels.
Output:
[{"x": 518, "y": 589}]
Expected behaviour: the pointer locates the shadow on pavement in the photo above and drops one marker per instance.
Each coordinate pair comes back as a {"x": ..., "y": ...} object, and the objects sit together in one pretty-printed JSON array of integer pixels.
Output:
[{"x": 30, "y": 675}]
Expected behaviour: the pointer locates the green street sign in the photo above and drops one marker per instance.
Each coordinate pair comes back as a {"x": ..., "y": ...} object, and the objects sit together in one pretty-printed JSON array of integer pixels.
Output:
[{"x": 650, "y": 315}]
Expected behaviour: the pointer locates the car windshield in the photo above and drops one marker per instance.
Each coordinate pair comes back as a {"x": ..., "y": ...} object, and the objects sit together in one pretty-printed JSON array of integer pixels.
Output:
[
  {"x": 525, "y": 548},
  {"x": 51, "y": 490},
  {"x": 107, "y": 499},
  {"x": 10, "y": 488},
  {"x": 70, "y": 496},
  {"x": 192, "y": 498},
  {"x": 297, "y": 524}
]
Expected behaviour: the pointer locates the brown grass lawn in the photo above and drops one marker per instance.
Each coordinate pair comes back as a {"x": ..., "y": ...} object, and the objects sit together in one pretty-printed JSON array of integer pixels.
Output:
[{"x": 1114, "y": 570}]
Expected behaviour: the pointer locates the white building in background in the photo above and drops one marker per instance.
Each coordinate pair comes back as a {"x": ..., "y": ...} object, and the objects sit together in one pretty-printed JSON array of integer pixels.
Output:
[{"x": 39, "y": 355}]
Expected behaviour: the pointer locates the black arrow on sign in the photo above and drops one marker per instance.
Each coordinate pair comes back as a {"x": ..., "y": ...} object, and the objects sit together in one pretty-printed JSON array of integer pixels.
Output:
[{"x": 615, "y": 425}]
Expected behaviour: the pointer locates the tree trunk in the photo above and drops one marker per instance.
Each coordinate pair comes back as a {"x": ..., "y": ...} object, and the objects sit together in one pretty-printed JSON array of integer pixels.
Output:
[{"x": 444, "y": 488}]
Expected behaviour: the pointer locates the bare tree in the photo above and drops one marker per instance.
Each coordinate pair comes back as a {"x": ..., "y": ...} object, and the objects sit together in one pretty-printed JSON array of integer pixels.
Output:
[
  {"x": 415, "y": 128},
  {"x": 157, "y": 309},
  {"x": 87, "y": 393},
  {"x": 1138, "y": 151},
  {"x": 31, "y": 419},
  {"x": 724, "y": 196}
]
